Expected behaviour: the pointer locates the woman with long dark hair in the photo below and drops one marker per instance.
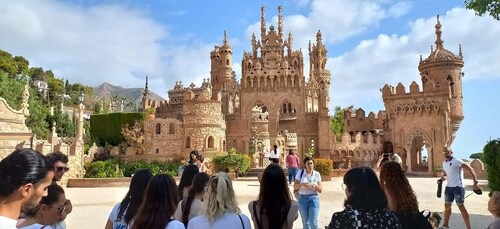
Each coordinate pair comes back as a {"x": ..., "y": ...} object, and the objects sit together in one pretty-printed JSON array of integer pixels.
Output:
[
  {"x": 274, "y": 207},
  {"x": 123, "y": 212},
  {"x": 366, "y": 203},
  {"x": 186, "y": 180},
  {"x": 190, "y": 207},
  {"x": 158, "y": 206},
  {"x": 401, "y": 197},
  {"x": 49, "y": 211},
  {"x": 219, "y": 210},
  {"x": 308, "y": 184}
]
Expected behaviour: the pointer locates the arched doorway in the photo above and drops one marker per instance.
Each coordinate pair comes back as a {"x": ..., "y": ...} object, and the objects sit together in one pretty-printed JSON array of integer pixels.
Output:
[{"x": 419, "y": 152}]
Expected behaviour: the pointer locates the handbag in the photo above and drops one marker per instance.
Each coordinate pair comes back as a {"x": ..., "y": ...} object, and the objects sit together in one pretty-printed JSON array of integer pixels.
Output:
[{"x": 296, "y": 191}]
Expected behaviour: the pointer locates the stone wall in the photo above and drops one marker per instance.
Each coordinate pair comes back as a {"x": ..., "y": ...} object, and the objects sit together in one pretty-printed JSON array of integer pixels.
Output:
[{"x": 479, "y": 168}]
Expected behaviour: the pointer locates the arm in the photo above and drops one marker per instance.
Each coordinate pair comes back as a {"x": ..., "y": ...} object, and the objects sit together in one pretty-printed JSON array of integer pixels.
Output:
[
  {"x": 319, "y": 187},
  {"x": 109, "y": 225},
  {"x": 472, "y": 172}
]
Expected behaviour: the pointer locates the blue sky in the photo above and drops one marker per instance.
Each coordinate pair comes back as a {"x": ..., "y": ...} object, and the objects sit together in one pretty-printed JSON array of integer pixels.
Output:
[{"x": 369, "y": 42}]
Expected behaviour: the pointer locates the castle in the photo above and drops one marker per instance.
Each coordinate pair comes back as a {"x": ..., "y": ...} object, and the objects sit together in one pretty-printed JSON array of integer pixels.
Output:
[{"x": 274, "y": 103}]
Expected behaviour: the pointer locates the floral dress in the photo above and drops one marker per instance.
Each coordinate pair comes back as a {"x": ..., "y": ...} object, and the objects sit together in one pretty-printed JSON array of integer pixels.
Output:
[{"x": 366, "y": 219}]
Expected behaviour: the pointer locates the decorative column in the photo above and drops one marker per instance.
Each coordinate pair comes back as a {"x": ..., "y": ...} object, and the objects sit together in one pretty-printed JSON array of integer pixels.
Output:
[{"x": 81, "y": 108}]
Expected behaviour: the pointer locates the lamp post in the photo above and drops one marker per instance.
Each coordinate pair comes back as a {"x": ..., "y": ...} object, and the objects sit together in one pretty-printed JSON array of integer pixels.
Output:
[{"x": 81, "y": 108}]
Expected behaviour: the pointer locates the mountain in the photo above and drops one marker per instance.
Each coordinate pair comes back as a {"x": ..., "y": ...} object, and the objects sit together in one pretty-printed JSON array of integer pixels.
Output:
[{"x": 107, "y": 91}]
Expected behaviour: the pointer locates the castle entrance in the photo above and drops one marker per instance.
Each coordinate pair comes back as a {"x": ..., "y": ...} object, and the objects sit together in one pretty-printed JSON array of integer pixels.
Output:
[{"x": 418, "y": 152}]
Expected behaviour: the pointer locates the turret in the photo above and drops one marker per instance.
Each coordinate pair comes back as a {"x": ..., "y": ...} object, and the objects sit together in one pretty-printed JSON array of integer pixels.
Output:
[
  {"x": 317, "y": 56},
  {"x": 443, "y": 71},
  {"x": 221, "y": 65},
  {"x": 262, "y": 23},
  {"x": 145, "y": 96}
]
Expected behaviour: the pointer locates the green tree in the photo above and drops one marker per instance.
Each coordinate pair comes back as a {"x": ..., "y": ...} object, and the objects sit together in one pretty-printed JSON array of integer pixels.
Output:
[
  {"x": 484, "y": 6},
  {"x": 22, "y": 65},
  {"x": 38, "y": 74},
  {"x": 337, "y": 120},
  {"x": 477, "y": 156},
  {"x": 37, "y": 121},
  {"x": 11, "y": 90},
  {"x": 7, "y": 64},
  {"x": 492, "y": 161}
]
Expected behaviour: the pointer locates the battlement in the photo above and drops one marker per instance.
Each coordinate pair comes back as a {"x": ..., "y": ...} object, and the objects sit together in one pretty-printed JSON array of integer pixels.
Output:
[
  {"x": 400, "y": 89},
  {"x": 356, "y": 149},
  {"x": 358, "y": 121}
]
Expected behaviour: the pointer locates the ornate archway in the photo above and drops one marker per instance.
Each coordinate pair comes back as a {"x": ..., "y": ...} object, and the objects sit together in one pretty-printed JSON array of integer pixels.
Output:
[{"x": 415, "y": 144}]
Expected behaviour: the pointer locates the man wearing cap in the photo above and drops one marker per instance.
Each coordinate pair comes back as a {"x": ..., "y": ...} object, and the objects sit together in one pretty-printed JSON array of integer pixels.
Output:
[{"x": 454, "y": 191}]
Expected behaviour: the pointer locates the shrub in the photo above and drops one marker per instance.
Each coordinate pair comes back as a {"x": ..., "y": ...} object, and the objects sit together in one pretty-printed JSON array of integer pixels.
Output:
[
  {"x": 240, "y": 163},
  {"x": 491, "y": 155},
  {"x": 102, "y": 169},
  {"x": 324, "y": 166},
  {"x": 107, "y": 127}
]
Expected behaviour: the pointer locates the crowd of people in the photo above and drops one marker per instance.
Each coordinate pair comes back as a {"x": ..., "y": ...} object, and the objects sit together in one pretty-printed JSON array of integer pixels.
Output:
[{"x": 30, "y": 197}]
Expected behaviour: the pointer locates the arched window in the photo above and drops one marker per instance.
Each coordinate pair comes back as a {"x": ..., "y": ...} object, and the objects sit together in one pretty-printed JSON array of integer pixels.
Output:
[
  {"x": 188, "y": 142},
  {"x": 227, "y": 61},
  {"x": 157, "y": 151},
  {"x": 158, "y": 128},
  {"x": 210, "y": 142},
  {"x": 172, "y": 129}
]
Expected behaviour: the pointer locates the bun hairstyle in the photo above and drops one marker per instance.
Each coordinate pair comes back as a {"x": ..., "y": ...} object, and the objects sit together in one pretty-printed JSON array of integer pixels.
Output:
[{"x": 23, "y": 166}]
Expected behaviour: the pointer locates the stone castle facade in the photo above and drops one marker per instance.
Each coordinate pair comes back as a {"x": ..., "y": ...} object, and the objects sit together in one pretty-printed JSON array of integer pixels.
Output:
[{"x": 274, "y": 103}]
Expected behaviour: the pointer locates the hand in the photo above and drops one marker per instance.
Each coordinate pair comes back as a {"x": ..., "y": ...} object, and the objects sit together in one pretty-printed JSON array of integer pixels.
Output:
[{"x": 475, "y": 186}]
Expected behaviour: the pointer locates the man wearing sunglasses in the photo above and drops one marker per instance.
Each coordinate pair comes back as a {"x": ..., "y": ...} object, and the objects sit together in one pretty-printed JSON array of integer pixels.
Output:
[
  {"x": 25, "y": 176},
  {"x": 60, "y": 162}
]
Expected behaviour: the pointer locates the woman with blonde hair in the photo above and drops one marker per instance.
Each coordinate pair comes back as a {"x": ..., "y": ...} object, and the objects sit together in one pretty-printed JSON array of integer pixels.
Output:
[
  {"x": 219, "y": 210},
  {"x": 401, "y": 197}
]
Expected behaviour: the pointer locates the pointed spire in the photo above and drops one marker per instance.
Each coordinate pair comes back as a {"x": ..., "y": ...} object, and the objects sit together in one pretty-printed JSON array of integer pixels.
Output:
[
  {"x": 145, "y": 93},
  {"x": 460, "y": 51},
  {"x": 310, "y": 46},
  {"x": 319, "y": 38},
  {"x": 280, "y": 23},
  {"x": 225, "y": 38},
  {"x": 439, "y": 42},
  {"x": 432, "y": 49},
  {"x": 420, "y": 58},
  {"x": 262, "y": 22},
  {"x": 290, "y": 39}
]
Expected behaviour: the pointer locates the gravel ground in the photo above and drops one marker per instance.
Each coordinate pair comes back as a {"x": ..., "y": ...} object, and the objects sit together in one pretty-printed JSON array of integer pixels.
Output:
[{"x": 91, "y": 206}]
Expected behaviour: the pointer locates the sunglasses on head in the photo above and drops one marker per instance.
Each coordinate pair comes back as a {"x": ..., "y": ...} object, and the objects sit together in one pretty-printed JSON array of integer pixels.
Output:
[{"x": 61, "y": 169}]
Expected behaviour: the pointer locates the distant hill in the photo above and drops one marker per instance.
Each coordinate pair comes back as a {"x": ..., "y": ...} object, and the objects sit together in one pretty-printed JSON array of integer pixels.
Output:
[{"x": 107, "y": 91}]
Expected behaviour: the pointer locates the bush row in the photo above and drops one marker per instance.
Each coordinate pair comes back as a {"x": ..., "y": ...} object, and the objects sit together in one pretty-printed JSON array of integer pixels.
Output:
[{"x": 116, "y": 168}]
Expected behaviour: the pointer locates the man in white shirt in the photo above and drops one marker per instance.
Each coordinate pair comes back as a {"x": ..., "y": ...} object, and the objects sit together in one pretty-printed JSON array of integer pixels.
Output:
[
  {"x": 275, "y": 155},
  {"x": 24, "y": 177},
  {"x": 454, "y": 191}
]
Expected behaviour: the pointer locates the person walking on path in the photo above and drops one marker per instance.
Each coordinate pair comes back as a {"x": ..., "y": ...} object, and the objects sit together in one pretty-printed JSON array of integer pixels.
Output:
[
  {"x": 454, "y": 191},
  {"x": 274, "y": 207},
  {"x": 25, "y": 176},
  {"x": 308, "y": 184},
  {"x": 292, "y": 163}
]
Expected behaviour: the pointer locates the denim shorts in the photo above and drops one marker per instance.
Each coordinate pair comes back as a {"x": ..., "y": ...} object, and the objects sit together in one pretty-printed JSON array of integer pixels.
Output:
[{"x": 454, "y": 193}]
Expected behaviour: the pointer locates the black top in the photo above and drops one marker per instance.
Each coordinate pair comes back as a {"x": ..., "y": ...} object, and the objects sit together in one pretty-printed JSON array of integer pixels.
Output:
[
  {"x": 366, "y": 219},
  {"x": 415, "y": 220}
]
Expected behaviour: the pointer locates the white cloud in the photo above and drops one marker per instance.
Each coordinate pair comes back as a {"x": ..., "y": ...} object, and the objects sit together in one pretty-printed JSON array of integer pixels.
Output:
[{"x": 360, "y": 73}]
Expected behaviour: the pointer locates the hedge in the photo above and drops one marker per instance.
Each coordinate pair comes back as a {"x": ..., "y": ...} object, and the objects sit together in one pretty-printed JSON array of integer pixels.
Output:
[
  {"x": 107, "y": 127},
  {"x": 491, "y": 155},
  {"x": 239, "y": 163},
  {"x": 108, "y": 168}
]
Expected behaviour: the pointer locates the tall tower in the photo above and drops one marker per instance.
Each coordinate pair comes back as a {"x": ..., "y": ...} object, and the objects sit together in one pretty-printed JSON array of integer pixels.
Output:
[
  {"x": 441, "y": 73},
  {"x": 320, "y": 76},
  {"x": 145, "y": 96},
  {"x": 221, "y": 73}
]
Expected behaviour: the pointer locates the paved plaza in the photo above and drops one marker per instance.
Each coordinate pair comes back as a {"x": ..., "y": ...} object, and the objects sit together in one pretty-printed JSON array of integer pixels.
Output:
[{"x": 91, "y": 206}]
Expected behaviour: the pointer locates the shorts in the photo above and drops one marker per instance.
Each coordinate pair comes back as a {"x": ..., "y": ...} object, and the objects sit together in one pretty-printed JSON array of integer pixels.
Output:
[{"x": 454, "y": 193}]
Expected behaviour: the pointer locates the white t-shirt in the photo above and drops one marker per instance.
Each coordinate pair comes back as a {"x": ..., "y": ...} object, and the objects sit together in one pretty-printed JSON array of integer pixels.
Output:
[
  {"x": 275, "y": 154},
  {"x": 315, "y": 178},
  {"x": 174, "y": 224},
  {"x": 59, "y": 225},
  {"x": 113, "y": 216},
  {"x": 35, "y": 226},
  {"x": 194, "y": 211},
  {"x": 229, "y": 220},
  {"x": 454, "y": 172},
  {"x": 7, "y": 223}
]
